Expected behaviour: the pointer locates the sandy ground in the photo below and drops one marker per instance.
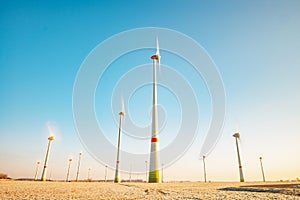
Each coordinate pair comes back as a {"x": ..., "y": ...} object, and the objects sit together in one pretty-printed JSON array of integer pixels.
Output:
[{"x": 98, "y": 190}]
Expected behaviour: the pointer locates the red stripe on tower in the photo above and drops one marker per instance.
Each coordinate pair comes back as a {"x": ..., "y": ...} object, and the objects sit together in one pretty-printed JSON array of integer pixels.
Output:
[
  {"x": 155, "y": 57},
  {"x": 240, "y": 166},
  {"x": 154, "y": 139}
]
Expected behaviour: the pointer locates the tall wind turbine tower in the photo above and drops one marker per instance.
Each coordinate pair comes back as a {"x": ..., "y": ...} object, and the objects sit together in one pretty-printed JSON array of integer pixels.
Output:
[
  {"x": 44, "y": 175},
  {"x": 237, "y": 136},
  {"x": 78, "y": 166},
  {"x": 117, "y": 175},
  {"x": 154, "y": 173},
  {"x": 69, "y": 166}
]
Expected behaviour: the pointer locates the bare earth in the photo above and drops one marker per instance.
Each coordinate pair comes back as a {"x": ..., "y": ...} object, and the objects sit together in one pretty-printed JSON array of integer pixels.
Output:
[{"x": 178, "y": 190}]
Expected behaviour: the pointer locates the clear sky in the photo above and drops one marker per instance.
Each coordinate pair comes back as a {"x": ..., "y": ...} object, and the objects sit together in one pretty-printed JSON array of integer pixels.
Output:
[{"x": 255, "y": 45}]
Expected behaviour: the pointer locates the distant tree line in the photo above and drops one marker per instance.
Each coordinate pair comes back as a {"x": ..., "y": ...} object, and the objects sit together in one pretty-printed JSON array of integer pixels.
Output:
[{"x": 3, "y": 176}]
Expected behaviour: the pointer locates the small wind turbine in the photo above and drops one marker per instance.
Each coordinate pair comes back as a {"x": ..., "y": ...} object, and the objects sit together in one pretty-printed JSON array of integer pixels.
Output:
[
  {"x": 89, "y": 175},
  {"x": 237, "y": 136},
  {"x": 78, "y": 167},
  {"x": 69, "y": 166},
  {"x": 262, "y": 169},
  {"x": 130, "y": 174},
  {"x": 105, "y": 178},
  {"x": 37, "y": 169},
  {"x": 204, "y": 168}
]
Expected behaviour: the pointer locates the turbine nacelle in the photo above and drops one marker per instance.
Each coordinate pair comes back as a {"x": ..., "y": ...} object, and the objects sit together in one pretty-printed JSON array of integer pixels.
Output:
[
  {"x": 122, "y": 113},
  {"x": 236, "y": 135},
  {"x": 157, "y": 54},
  {"x": 155, "y": 57},
  {"x": 51, "y": 138}
]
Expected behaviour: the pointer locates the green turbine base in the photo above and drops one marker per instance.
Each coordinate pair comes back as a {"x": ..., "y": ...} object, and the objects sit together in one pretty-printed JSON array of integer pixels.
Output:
[
  {"x": 154, "y": 176},
  {"x": 117, "y": 180}
]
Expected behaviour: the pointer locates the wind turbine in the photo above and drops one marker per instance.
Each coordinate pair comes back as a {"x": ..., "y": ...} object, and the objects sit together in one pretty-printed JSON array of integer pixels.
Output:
[
  {"x": 154, "y": 172},
  {"x": 204, "y": 168},
  {"x": 117, "y": 175},
  {"x": 78, "y": 166},
  {"x": 130, "y": 174},
  {"x": 105, "y": 178},
  {"x": 237, "y": 136},
  {"x": 262, "y": 169},
  {"x": 37, "y": 169},
  {"x": 89, "y": 175},
  {"x": 44, "y": 175},
  {"x": 69, "y": 166}
]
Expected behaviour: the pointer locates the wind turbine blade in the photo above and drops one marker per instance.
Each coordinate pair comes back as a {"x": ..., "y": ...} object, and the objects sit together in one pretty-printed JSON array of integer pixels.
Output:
[
  {"x": 157, "y": 53},
  {"x": 51, "y": 128},
  {"x": 122, "y": 104},
  {"x": 237, "y": 128},
  {"x": 157, "y": 46}
]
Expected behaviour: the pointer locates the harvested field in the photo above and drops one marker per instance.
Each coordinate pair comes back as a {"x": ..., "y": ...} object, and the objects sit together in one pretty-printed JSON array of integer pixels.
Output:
[{"x": 177, "y": 190}]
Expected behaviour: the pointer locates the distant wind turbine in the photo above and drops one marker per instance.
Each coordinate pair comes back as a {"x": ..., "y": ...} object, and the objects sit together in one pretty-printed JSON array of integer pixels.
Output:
[
  {"x": 105, "y": 176},
  {"x": 237, "y": 136},
  {"x": 69, "y": 166},
  {"x": 262, "y": 169},
  {"x": 78, "y": 167},
  {"x": 204, "y": 168},
  {"x": 37, "y": 170}
]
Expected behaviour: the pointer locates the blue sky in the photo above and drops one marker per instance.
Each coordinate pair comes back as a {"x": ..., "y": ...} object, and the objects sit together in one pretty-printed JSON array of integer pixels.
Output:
[{"x": 255, "y": 45}]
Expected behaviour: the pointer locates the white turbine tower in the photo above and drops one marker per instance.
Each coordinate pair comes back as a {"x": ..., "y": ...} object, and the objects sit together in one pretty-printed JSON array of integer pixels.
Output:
[
  {"x": 78, "y": 166},
  {"x": 154, "y": 173},
  {"x": 262, "y": 169},
  {"x": 204, "y": 168},
  {"x": 37, "y": 169},
  {"x": 69, "y": 166},
  {"x": 117, "y": 175},
  {"x": 237, "y": 136},
  {"x": 105, "y": 176},
  {"x": 44, "y": 175}
]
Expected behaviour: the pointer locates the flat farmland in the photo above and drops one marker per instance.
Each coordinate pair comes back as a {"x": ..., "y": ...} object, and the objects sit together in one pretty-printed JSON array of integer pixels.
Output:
[{"x": 175, "y": 190}]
